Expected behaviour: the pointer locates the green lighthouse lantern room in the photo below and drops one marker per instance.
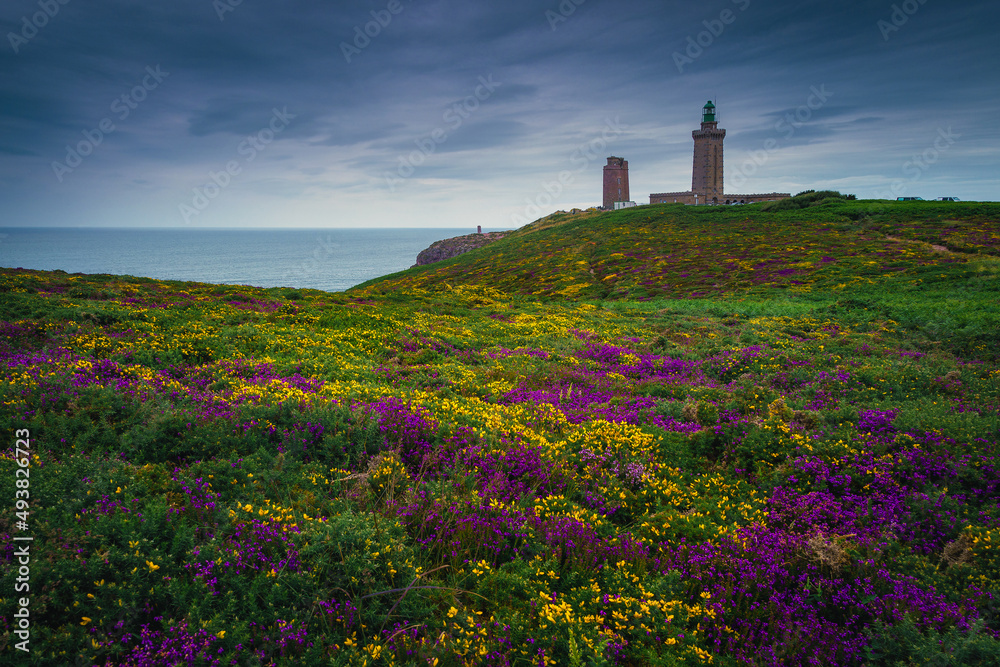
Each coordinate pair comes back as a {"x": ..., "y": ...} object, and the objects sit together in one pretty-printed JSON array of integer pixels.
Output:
[{"x": 708, "y": 115}]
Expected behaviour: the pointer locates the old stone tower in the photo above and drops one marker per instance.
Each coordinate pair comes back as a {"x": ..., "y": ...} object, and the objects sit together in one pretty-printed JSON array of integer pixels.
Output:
[
  {"x": 706, "y": 178},
  {"x": 707, "y": 175},
  {"x": 615, "y": 181}
]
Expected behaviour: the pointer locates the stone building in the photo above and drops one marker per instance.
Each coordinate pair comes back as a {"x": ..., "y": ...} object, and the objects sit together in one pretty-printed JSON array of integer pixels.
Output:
[
  {"x": 615, "y": 182},
  {"x": 707, "y": 183},
  {"x": 706, "y": 173}
]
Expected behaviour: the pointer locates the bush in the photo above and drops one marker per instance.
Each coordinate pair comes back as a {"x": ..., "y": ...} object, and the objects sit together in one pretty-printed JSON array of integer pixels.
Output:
[
  {"x": 804, "y": 199},
  {"x": 903, "y": 645}
]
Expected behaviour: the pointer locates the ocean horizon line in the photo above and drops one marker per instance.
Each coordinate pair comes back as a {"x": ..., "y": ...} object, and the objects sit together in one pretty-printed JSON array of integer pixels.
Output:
[
  {"x": 244, "y": 229},
  {"x": 329, "y": 259}
]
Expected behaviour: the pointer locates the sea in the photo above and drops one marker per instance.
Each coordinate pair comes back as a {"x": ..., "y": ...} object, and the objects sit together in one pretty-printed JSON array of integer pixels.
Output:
[{"x": 332, "y": 260}]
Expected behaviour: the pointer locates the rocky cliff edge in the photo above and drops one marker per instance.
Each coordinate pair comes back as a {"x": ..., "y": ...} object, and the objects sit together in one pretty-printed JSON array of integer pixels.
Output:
[{"x": 453, "y": 247}]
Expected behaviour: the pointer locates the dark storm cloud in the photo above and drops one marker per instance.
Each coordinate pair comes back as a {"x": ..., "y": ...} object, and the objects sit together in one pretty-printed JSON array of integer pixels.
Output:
[{"x": 365, "y": 81}]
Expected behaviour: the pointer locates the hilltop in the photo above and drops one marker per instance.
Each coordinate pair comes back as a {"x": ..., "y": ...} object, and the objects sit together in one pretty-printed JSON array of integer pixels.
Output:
[
  {"x": 676, "y": 251},
  {"x": 934, "y": 267}
]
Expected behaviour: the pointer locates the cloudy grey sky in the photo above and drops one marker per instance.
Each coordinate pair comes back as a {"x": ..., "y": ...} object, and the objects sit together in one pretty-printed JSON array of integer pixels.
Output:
[{"x": 450, "y": 113}]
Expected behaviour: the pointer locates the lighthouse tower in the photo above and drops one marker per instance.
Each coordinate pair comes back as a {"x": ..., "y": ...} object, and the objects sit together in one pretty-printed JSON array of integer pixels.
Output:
[
  {"x": 706, "y": 180},
  {"x": 706, "y": 177}
]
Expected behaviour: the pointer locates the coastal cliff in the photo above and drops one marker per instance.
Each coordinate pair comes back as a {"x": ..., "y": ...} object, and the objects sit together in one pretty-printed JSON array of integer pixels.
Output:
[{"x": 455, "y": 246}]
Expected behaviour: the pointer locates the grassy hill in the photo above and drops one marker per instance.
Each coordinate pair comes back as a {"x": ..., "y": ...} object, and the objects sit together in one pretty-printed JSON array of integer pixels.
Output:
[
  {"x": 788, "y": 469},
  {"x": 677, "y": 251},
  {"x": 932, "y": 266}
]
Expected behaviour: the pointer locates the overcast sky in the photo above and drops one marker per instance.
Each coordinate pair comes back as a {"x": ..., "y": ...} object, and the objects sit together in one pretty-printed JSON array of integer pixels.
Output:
[{"x": 451, "y": 113}]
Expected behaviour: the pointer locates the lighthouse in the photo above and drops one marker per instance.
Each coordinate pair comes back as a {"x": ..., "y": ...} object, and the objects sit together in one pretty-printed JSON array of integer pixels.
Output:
[{"x": 706, "y": 177}]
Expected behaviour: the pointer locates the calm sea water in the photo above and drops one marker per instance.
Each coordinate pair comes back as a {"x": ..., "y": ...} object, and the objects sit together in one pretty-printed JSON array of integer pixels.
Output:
[{"x": 325, "y": 259}]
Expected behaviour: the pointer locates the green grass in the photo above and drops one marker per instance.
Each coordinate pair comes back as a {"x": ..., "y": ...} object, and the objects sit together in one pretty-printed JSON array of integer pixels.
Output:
[
  {"x": 574, "y": 469},
  {"x": 678, "y": 251}
]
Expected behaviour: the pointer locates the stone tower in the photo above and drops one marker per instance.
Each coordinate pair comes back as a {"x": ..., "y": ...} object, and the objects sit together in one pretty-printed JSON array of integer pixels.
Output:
[
  {"x": 706, "y": 180},
  {"x": 615, "y": 182}
]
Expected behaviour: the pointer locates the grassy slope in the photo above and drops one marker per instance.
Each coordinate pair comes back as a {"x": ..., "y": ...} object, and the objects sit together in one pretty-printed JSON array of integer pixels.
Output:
[
  {"x": 480, "y": 447},
  {"x": 680, "y": 251},
  {"x": 931, "y": 266}
]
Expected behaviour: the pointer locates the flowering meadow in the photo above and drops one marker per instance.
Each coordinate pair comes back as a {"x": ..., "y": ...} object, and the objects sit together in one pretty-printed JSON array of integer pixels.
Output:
[
  {"x": 437, "y": 471},
  {"x": 675, "y": 251}
]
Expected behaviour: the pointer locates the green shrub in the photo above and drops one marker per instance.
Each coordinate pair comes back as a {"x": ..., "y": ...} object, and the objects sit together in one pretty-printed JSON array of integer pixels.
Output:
[{"x": 903, "y": 645}]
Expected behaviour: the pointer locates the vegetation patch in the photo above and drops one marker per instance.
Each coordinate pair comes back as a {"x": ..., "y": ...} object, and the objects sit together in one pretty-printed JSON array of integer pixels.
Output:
[{"x": 459, "y": 467}]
